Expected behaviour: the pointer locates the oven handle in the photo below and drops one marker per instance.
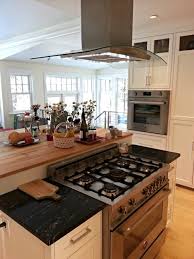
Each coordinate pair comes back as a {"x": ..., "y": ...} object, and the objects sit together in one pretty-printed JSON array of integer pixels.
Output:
[
  {"x": 126, "y": 232},
  {"x": 145, "y": 102}
]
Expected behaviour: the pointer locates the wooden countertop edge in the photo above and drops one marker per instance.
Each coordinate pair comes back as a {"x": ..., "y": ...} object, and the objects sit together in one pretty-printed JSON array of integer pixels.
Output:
[{"x": 64, "y": 156}]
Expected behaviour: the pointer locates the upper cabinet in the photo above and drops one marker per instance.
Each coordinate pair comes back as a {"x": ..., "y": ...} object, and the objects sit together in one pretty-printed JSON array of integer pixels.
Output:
[
  {"x": 183, "y": 94},
  {"x": 151, "y": 74}
]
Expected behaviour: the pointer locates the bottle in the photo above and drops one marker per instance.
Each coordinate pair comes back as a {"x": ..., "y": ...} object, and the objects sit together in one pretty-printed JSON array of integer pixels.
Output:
[
  {"x": 83, "y": 128},
  {"x": 49, "y": 136}
]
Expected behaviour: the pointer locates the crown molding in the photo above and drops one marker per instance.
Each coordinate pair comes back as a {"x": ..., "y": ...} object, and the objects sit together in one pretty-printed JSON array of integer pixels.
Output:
[{"x": 20, "y": 43}]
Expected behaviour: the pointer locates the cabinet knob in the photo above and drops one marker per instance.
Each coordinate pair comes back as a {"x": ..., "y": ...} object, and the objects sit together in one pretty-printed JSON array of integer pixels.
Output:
[{"x": 3, "y": 225}]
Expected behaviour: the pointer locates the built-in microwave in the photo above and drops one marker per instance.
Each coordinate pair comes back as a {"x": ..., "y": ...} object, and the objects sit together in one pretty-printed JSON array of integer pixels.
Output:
[{"x": 148, "y": 111}]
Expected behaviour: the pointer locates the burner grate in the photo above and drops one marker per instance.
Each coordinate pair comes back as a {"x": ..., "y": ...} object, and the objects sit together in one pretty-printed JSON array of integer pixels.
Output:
[{"x": 114, "y": 177}]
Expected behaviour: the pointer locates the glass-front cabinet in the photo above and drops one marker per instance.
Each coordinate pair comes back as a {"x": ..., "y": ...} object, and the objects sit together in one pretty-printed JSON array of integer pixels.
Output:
[{"x": 152, "y": 74}]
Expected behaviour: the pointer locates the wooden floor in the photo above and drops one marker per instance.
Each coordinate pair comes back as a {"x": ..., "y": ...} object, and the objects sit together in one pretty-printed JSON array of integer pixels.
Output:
[{"x": 179, "y": 243}]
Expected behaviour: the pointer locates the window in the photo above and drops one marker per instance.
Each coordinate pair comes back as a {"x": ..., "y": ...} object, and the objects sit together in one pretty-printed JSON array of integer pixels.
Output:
[
  {"x": 61, "y": 84},
  {"x": 112, "y": 97},
  {"x": 62, "y": 89},
  {"x": 122, "y": 92},
  {"x": 21, "y": 96},
  {"x": 87, "y": 90},
  {"x": 105, "y": 101},
  {"x": 69, "y": 89}
]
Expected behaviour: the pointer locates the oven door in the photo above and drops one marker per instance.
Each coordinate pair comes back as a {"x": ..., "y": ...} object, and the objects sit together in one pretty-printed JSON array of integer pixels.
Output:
[
  {"x": 148, "y": 116},
  {"x": 137, "y": 233}
]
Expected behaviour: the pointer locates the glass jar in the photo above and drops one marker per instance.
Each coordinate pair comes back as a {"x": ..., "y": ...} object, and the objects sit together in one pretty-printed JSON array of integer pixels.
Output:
[{"x": 123, "y": 148}]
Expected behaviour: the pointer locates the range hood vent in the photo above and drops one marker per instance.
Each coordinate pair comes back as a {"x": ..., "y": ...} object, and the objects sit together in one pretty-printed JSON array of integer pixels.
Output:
[{"x": 106, "y": 33}]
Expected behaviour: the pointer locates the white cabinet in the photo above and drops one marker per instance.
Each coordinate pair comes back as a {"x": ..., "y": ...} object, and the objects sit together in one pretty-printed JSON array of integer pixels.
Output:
[
  {"x": 152, "y": 74},
  {"x": 182, "y": 118},
  {"x": 18, "y": 243},
  {"x": 149, "y": 140},
  {"x": 83, "y": 242},
  {"x": 2, "y": 243},
  {"x": 182, "y": 141},
  {"x": 172, "y": 185},
  {"x": 183, "y": 94},
  {"x": 89, "y": 251},
  {"x": 87, "y": 236}
]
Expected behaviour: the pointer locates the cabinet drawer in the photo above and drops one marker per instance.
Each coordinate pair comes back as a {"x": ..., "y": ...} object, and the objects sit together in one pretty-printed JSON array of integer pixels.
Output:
[
  {"x": 78, "y": 237},
  {"x": 151, "y": 141}
]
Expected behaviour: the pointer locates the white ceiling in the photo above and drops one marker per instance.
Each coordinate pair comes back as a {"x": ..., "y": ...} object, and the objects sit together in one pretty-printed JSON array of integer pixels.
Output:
[
  {"x": 174, "y": 15},
  {"x": 23, "y": 17}
]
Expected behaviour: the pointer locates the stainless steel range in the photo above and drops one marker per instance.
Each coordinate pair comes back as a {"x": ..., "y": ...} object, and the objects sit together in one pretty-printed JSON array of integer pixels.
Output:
[{"x": 136, "y": 192}]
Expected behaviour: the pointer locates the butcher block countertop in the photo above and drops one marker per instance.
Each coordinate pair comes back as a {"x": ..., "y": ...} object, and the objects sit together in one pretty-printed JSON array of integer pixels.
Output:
[{"x": 17, "y": 159}]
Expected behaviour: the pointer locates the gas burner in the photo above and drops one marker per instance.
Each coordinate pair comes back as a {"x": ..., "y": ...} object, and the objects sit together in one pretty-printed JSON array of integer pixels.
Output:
[
  {"x": 104, "y": 170},
  {"x": 117, "y": 175},
  {"x": 110, "y": 190},
  {"x": 132, "y": 166},
  {"x": 85, "y": 180},
  {"x": 145, "y": 169},
  {"x": 123, "y": 163}
]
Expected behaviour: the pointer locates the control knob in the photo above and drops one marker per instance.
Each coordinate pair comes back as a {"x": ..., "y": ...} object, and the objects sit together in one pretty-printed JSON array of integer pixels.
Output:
[
  {"x": 132, "y": 202},
  {"x": 145, "y": 191},
  {"x": 123, "y": 210}
]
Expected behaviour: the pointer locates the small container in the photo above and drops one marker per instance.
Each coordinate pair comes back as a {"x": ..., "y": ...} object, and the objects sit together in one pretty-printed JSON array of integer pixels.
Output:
[
  {"x": 49, "y": 137},
  {"x": 108, "y": 135},
  {"x": 123, "y": 148},
  {"x": 92, "y": 134}
]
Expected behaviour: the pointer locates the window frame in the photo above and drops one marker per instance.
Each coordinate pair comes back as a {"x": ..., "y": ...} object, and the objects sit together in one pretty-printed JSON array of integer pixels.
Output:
[
  {"x": 59, "y": 93},
  {"x": 78, "y": 93},
  {"x": 15, "y": 73}
]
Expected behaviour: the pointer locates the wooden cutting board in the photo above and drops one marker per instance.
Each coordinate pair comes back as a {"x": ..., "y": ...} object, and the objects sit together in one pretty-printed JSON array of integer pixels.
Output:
[{"x": 39, "y": 189}]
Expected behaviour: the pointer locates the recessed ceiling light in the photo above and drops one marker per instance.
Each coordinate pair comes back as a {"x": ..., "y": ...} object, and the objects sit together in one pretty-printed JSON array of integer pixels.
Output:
[{"x": 153, "y": 16}]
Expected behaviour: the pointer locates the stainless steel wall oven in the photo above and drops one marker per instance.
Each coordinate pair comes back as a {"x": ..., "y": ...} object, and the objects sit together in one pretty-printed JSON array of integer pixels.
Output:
[{"x": 148, "y": 111}]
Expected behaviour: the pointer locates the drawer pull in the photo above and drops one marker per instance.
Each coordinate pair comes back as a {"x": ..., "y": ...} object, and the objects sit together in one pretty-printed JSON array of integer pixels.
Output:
[
  {"x": 87, "y": 231},
  {"x": 3, "y": 225},
  {"x": 145, "y": 244}
]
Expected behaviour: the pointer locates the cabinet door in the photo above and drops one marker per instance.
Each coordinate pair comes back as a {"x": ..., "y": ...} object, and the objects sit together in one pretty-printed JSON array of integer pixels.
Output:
[
  {"x": 181, "y": 141},
  {"x": 183, "y": 101},
  {"x": 139, "y": 70},
  {"x": 90, "y": 250},
  {"x": 172, "y": 184},
  {"x": 2, "y": 239},
  {"x": 19, "y": 243},
  {"x": 160, "y": 73}
]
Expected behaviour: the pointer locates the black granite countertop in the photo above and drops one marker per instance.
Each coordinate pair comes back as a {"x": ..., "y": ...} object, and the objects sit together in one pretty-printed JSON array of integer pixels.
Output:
[
  {"x": 153, "y": 154},
  {"x": 50, "y": 220}
]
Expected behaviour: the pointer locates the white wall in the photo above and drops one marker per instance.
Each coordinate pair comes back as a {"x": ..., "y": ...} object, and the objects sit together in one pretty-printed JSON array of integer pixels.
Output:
[{"x": 38, "y": 72}]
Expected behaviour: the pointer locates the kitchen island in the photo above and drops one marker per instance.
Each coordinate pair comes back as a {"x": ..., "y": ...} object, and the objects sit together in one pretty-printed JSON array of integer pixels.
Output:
[
  {"x": 16, "y": 159},
  {"x": 72, "y": 228},
  {"x": 19, "y": 165}
]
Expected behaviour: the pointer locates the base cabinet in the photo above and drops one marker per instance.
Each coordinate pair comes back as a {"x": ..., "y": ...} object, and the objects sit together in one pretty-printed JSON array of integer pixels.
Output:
[
  {"x": 89, "y": 251},
  {"x": 172, "y": 186},
  {"x": 84, "y": 242},
  {"x": 182, "y": 141},
  {"x": 149, "y": 140}
]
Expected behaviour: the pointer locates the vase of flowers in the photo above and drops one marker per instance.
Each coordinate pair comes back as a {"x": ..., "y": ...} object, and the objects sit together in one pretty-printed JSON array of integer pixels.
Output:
[
  {"x": 35, "y": 108},
  {"x": 56, "y": 114}
]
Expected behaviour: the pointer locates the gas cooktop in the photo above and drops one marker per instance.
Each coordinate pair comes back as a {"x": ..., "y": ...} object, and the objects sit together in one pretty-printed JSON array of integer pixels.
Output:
[
  {"x": 114, "y": 177},
  {"x": 108, "y": 176}
]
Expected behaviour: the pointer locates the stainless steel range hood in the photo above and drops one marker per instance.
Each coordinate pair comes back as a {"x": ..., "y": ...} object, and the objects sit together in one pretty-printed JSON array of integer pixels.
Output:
[{"x": 106, "y": 33}]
